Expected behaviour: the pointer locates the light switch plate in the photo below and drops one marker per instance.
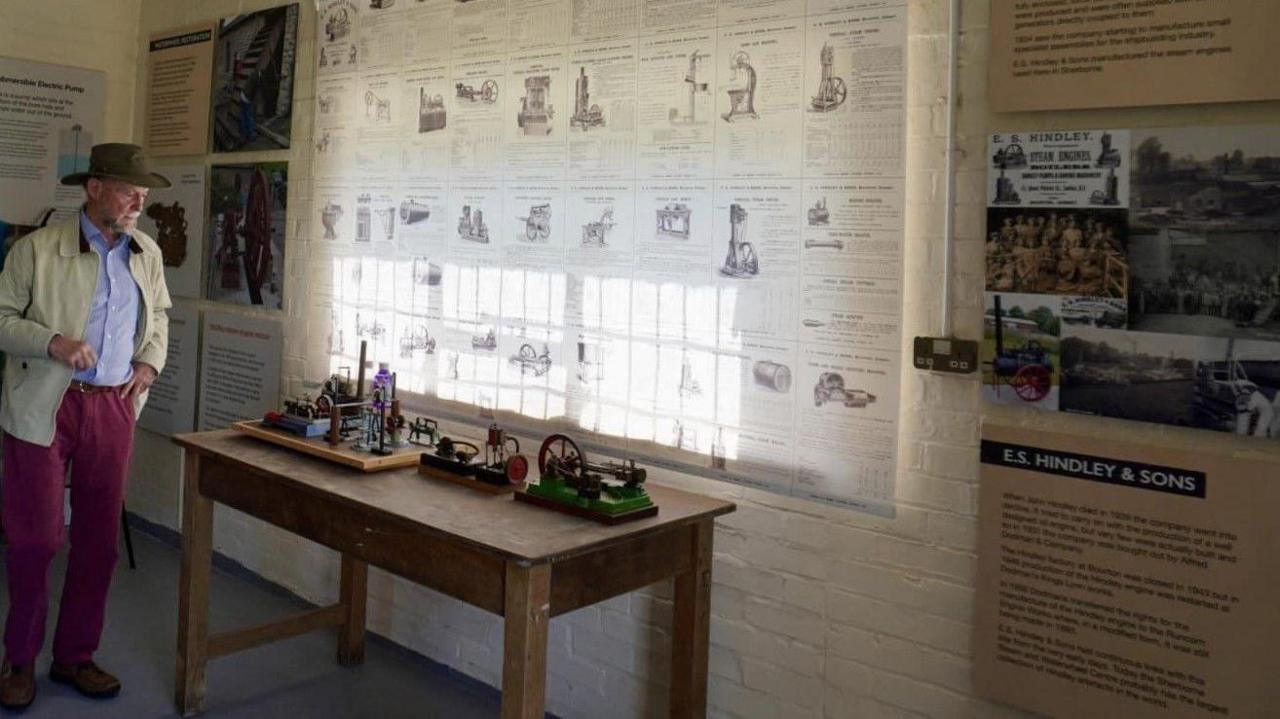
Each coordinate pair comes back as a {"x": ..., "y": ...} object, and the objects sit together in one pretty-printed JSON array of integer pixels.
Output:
[{"x": 945, "y": 354}]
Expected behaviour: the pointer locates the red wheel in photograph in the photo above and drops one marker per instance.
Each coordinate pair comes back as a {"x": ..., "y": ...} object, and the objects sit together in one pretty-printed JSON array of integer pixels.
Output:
[{"x": 1032, "y": 382}]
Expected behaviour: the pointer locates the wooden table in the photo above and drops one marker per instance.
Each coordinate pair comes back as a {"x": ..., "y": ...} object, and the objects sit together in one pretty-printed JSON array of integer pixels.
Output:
[{"x": 518, "y": 561}]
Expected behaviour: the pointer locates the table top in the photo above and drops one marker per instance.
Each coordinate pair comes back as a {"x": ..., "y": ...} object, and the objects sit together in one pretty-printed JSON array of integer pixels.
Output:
[{"x": 495, "y": 523}]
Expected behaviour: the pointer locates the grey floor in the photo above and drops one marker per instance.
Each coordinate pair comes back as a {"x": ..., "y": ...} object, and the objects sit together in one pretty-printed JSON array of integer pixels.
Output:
[{"x": 296, "y": 679}]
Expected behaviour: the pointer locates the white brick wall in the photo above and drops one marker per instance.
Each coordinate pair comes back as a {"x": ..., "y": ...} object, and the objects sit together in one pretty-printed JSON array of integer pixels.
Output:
[{"x": 817, "y": 612}]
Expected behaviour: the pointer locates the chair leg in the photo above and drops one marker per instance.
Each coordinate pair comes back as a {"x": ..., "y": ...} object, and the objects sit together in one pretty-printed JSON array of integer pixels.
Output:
[{"x": 128, "y": 538}]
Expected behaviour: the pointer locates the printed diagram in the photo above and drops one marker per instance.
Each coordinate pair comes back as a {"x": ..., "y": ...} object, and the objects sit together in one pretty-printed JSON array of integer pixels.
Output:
[
  {"x": 425, "y": 273},
  {"x": 171, "y": 224},
  {"x": 328, "y": 104},
  {"x": 535, "y": 112},
  {"x": 537, "y": 226},
  {"x": 487, "y": 341},
  {"x": 387, "y": 220},
  {"x": 742, "y": 89},
  {"x": 531, "y": 361},
  {"x": 329, "y": 216},
  {"x": 376, "y": 107},
  {"x": 770, "y": 375},
  {"x": 831, "y": 90},
  {"x": 1008, "y": 158},
  {"x": 337, "y": 25},
  {"x": 412, "y": 212},
  {"x": 418, "y": 340},
  {"x": 323, "y": 144},
  {"x": 689, "y": 384},
  {"x": 363, "y": 219},
  {"x": 373, "y": 329},
  {"x": 585, "y": 115},
  {"x": 673, "y": 220},
  {"x": 741, "y": 260},
  {"x": 596, "y": 232},
  {"x": 488, "y": 92},
  {"x": 590, "y": 362},
  {"x": 1108, "y": 157},
  {"x": 471, "y": 225},
  {"x": 431, "y": 114},
  {"x": 684, "y": 437},
  {"x": 694, "y": 88},
  {"x": 830, "y": 388},
  {"x": 818, "y": 214}
]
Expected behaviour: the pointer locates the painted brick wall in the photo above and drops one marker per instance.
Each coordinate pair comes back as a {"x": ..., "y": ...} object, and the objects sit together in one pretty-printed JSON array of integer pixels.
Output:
[{"x": 817, "y": 612}]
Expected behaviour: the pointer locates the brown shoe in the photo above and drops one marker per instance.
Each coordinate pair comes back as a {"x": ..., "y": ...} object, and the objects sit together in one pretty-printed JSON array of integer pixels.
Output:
[
  {"x": 17, "y": 685},
  {"x": 88, "y": 678}
]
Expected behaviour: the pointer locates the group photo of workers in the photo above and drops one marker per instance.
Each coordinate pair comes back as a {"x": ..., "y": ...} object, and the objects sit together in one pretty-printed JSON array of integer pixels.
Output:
[{"x": 1063, "y": 252}]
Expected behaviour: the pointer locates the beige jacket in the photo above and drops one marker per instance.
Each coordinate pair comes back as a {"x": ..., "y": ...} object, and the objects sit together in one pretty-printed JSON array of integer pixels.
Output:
[{"x": 46, "y": 289}]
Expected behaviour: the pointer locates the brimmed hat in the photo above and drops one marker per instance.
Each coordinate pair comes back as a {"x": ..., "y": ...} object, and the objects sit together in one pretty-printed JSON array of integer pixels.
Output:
[{"x": 119, "y": 161}]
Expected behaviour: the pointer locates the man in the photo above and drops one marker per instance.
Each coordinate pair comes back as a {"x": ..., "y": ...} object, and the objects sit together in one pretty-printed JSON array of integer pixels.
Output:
[{"x": 83, "y": 325}]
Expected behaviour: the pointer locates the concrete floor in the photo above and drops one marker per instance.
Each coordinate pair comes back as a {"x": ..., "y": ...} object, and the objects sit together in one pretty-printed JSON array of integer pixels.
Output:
[{"x": 297, "y": 679}]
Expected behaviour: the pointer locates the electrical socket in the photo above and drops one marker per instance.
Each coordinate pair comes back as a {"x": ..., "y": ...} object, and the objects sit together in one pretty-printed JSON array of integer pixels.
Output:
[{"x": 945, "y": 354}]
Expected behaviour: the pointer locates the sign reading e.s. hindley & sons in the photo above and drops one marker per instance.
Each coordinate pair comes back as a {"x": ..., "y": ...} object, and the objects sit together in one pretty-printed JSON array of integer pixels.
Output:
[{"x": 1124, "y": 580}]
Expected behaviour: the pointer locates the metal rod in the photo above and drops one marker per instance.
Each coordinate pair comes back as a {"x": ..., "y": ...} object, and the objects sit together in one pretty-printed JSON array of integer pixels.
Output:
[{"x": 949, "y": 220}]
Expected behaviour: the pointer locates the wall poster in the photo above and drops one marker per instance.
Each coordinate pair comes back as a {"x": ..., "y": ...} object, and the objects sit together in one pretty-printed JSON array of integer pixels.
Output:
[
  {"x": 682, "y": 242},
  {"x": 1125, "y": 581},
  {"x": 179, "y": 68},
  {"x": 1136, "y": 274},
  {"x": 171, "y": 405},
  {"x": 174, "y": 218},
  {"x": 50, "y": 117},
  {"x": 239, "y": 368},
  {"x": 1072, "y": 54}
]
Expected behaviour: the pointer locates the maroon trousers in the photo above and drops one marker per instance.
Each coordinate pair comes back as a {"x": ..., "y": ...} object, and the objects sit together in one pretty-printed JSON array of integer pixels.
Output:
[{"x": 94, "y": 435}]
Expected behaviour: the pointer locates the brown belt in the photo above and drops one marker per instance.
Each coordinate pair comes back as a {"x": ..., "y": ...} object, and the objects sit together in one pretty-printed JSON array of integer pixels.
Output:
[{"x": 87, "y": 388}]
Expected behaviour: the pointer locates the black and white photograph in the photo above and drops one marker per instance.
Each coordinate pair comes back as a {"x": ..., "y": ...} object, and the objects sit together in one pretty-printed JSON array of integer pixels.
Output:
[
  {"x": 253, "y": 80},
  {"x": 1099, "y": 312},
  {"x": 1205, "y": 248},
  {"x": 1238, "y": 390},
  {"x": 1134, "y": 375},
  {"x": 1057, "y": 251}
]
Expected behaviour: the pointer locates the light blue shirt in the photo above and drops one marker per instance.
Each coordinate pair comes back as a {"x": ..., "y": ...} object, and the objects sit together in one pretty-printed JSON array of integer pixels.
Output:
[{"x": 113, "y": 315}]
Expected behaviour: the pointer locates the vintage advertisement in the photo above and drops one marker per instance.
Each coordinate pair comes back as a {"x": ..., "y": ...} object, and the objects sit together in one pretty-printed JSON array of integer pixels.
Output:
[
  {"x": 253, "y": 80},
  {"x": 179, "y": 72},
  {"x": 239, "y": 368},
  {"x": 247, "y": 204},
  {"x": 50, "y": 117},
  {"x": 1136, "y": 274},
  {"x": 171, "y": 405},
  {"x": 1125, "y": 580},
  {"x": 1074, "y": 54},
  {"x": 174, "y": 218},
  {"x": 674, "y": 227}
]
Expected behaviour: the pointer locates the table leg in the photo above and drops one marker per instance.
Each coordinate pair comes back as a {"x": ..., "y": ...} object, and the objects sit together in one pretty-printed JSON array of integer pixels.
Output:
[
  {"x": 527, "y": 612},
  {"x": 193, "y": 589},
  {"x": 691, "y": 630},
  {"x": 353, "y": 592}
]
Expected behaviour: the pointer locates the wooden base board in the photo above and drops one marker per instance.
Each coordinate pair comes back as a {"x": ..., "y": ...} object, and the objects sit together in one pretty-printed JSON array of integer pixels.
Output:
[
  {"x": 342, "y": 454},
  {"x": 524, "y": 496},
  {"x": 427, "y": 470}
]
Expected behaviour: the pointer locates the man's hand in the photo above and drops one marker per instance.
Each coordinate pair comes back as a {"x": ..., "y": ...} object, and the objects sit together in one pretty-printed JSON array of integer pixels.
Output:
[
  {"x": 75, "y": 354},
  {"x": 143, "y": 376}
]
